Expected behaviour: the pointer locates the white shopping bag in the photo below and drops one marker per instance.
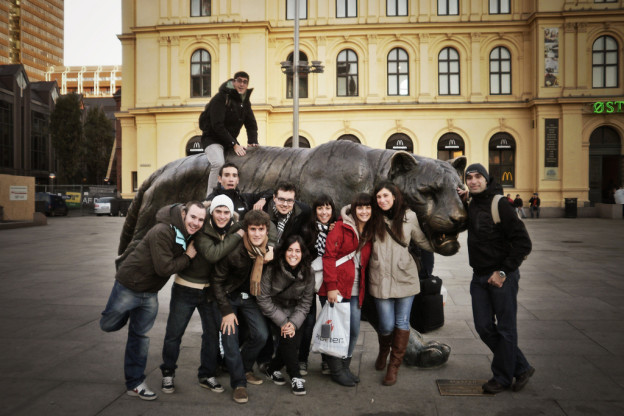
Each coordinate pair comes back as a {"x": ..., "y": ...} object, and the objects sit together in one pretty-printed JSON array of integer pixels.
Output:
[{"x": 334, "y": 340}]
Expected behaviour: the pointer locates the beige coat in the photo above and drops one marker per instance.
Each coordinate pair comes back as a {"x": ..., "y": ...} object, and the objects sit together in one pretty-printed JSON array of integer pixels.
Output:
[{"x": 392, "y": 270}]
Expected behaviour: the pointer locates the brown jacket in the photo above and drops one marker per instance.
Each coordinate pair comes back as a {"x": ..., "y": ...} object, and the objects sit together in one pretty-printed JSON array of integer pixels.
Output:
[
  {"x": 392, "y": 270},
  {"x": 158, "y": 255}
]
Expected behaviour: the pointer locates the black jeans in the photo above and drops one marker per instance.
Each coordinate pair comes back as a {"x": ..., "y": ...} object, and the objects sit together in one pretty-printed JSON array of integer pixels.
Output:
[
  {"x": 306, "y": 333},
  {"x": 287, "y": 352}
]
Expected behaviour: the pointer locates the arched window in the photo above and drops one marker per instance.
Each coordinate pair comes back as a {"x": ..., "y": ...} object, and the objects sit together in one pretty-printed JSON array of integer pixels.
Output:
[
  {"x": 349, "y": 137},
  {"x": 194, "y": 146},
  {"x": 303, "y": 142},
  {"x": 502, "y": 159},
  {"x": 200, "y": 73},
  {"x": 398, "y": 72},
  {"x": 400, "y": 141},
  {"x": 303, "y": 78},
  {"x": 500, "y": 71},
  {"x": 347, "y": 74},
  {"x": 448, "y": 72},
  {"x": 450, "y": 146},
  {"x": 605, "y": 63}
]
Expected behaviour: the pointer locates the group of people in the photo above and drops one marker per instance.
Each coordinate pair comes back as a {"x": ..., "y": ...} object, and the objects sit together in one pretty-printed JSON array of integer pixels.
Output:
[
  {"x": 244, "y": 261},
  {"x": 518, "y": 204}
]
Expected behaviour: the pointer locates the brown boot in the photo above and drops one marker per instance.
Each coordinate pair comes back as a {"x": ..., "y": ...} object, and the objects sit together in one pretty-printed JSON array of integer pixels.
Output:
[
  {"x": 399, "y": 345},
  {"x": 384, "y": 350}
]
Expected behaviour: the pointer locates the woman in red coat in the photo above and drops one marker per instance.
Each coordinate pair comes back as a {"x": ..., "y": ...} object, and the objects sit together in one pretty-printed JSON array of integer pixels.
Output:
[{"x": 347, "y": 251}]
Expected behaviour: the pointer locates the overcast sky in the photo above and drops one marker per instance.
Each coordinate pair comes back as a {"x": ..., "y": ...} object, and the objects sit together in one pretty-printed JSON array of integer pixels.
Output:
[{"x": 91, "y": 29}]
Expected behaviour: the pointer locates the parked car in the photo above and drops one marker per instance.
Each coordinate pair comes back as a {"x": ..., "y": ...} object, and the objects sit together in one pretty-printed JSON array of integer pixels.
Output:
[
  {"x": 50, "y": 204},
  {"x": 102, "y": 206}
]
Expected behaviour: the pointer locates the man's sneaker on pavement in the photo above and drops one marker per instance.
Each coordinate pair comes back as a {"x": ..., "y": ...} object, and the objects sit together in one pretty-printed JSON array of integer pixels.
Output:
[
  {"x": 523, "y": 379},
  {"x": 240, "y": 395},
  {"x": 303, "y": 368},
  {"x": 276, "y": 377},
  {"x": 493, "y": 387},
  {"x": 142, "y": 392},
  {"x": 211, "y": 383},
  {"x": 298, "y": 387},
  {"x": 252, "y": 379},
  {"x": 167, "y": 385}
]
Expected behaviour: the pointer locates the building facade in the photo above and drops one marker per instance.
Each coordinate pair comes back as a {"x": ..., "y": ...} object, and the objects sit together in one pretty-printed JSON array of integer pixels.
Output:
[
  {"x": 25, "y": 109},
  {"x": 31, "y": 34},
  {"x": 88, "y": 81},
  {"x": 532, "y": 89}
]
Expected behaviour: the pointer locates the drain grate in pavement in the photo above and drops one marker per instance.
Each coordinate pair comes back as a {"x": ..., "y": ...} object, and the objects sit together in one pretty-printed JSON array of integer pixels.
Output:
[{"x": 461, "y": 387}]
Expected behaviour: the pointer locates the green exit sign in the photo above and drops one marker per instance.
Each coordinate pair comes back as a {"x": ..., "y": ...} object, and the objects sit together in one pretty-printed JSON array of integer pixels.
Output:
[{"x": 608, "y": 107}]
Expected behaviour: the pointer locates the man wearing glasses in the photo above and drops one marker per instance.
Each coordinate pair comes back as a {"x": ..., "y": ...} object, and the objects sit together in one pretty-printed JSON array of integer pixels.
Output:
[
  {"x": 287, "y": 214},
  {"x": 222, "y": 120}
]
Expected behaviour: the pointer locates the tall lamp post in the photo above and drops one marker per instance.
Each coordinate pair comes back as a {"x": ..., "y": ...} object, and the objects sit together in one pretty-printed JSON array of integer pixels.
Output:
[{"x": 296, "y": 68}]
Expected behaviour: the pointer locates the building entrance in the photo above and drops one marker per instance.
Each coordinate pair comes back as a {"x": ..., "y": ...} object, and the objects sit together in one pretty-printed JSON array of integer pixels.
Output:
[{"x": 605, "y": 164}]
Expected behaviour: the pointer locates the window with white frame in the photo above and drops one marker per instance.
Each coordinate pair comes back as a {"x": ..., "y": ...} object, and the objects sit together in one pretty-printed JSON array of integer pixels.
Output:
[
  {"x": 290, "y": 9},
  {"x": 500, "y": 6},
  {"x": 200, "y": 8},
  {"x": 500, "y": 71},
  {"x": 398, "y": 72},
  {"x": 396, "y": 7},
  {"x": 448, "y": 72},
  {"x": 347, "y": 74},
  {"x": 346, "y": 8},
  {"x": 303, "y": 78},
  {"x": 605, "y": 66},
  {"x": 200, "y": 73},
  {"x": 448, "y": 7}
]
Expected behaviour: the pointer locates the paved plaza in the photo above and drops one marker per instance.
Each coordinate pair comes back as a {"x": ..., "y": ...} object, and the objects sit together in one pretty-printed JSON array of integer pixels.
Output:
[{"x": 55, "y": 281}]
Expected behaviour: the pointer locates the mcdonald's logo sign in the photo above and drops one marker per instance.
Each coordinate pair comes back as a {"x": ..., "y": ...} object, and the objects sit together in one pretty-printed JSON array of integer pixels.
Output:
[
  {"x": 507, "y": 177},
  {"x": 399, "y": 143},
  {"x": 452, "y": 142}
]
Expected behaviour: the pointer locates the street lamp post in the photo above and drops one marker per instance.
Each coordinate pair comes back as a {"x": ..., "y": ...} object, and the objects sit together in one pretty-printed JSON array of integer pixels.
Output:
[{"x": 296, "y": 68}]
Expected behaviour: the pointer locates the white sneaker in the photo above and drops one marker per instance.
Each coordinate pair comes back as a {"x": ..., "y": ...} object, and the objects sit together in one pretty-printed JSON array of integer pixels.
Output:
[{"x": 142, "y": 392}]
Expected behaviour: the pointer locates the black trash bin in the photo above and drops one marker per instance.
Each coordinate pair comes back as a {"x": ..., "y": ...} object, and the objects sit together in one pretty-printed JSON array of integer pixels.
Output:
[{"x": 570, "y": 207}]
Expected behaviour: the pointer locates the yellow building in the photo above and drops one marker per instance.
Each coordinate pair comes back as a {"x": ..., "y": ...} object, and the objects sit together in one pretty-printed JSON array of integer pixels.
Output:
[{"x": 525, "y": 87}]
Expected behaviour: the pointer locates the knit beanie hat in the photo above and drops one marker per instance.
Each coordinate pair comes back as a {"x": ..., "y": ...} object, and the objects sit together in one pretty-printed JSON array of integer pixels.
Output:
[
  {"x": 478, "y": 167},
  {"x": 222, "y": 200}
]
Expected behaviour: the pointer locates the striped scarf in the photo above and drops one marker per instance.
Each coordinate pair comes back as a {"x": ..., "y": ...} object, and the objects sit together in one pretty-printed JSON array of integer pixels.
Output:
[
  {"x": 281, "y": 221},
  {"x": 320, "y": 238}
]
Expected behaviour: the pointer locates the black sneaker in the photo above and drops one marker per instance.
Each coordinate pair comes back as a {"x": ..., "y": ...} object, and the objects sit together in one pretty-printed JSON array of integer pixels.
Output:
[
  {"x": 493, "y": 387},
  {"x": 211, "y": 383},
  {"x": 523, "y": 379},
  {"x": 276, "y": 377},
  {"x": 325, "y": 368},
  {"x": 167, "y": 385},
  {"x": 298, "y": 387}
]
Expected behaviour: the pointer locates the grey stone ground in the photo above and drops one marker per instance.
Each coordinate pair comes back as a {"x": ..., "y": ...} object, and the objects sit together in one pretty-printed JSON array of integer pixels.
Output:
[{"x": 55, "y": 281}]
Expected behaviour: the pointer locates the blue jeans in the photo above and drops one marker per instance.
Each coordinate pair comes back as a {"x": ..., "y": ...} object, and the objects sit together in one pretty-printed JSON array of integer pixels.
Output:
[
  {"x": 394, "y": 313},
  {"x": 494, "y": 310},
  {"x": 140, "y": 308},
  {"x": 355, "y": 315},
  {"x": 241, "y": 361},
  {"x": 184, "y": 300}
]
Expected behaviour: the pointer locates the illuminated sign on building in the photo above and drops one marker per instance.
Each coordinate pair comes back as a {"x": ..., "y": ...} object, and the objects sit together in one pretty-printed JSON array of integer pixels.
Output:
[{"x": 608, "y": 107}]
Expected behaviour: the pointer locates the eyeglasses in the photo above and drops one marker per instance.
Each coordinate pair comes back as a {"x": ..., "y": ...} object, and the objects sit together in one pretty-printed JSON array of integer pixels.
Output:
[
  {"x": 285, "y": 201},
  {"x": 242, "y": 81}
]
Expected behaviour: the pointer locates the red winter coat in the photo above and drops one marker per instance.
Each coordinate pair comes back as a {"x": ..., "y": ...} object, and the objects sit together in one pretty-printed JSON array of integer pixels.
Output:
[{"x": 341, "y": 241}]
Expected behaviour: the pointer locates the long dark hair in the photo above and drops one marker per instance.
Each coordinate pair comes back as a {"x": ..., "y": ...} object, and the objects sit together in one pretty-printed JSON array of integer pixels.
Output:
[
  {"x": 305, "y": 253},
  {"x": 321, "y": 201},
  {"x": 360, "y": 200},
  {"x": 396, "y": 213}
]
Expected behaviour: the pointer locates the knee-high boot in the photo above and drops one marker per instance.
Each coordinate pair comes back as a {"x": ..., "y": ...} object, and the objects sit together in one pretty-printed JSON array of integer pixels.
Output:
[
  {"x": 384, "y": 350},
  {"x": 400, "y": 339}
]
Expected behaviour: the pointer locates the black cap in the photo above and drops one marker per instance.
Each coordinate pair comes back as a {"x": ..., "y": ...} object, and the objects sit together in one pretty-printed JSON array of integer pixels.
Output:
[{"x": 478, "y": 167}]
